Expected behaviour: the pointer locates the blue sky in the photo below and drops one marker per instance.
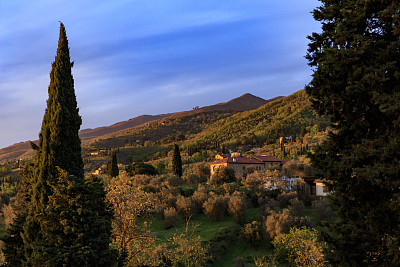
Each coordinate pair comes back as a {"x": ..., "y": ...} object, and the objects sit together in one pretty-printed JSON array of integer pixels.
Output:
[{"x": 148, "y": 57}]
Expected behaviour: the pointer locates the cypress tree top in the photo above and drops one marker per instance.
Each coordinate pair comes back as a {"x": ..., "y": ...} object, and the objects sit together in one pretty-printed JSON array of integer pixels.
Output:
[{"x": 59, "y": 143}]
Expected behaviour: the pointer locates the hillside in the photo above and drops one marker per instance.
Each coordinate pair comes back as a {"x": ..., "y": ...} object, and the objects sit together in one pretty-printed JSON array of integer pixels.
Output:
[
  {"x": 100, "y": 131},
  {"x": 150, "y": 127},
  {"x": 179, "y": 126},
  {"x": 287, "y": 116}
]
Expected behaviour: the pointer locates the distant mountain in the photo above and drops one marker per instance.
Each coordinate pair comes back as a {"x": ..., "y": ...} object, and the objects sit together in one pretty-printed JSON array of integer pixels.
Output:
[
  {"x": 194, "y": 124},
  {"x": 93, "y": 133},
  {"x": 17, "y": 151},
  {"x": 286, "y": 116}
]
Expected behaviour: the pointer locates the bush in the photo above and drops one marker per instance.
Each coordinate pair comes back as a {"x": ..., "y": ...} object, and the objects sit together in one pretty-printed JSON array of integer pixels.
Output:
[
  {"x": 323, "y": 211},
  {"x": 8, "y": 215},
  {"x": 300, "y": 247},
  {"x": 215, "y": 207},
  {"x": 284, "y": 199},
  {"x": 174, "y": 180},
  {"x": 185, "y": 206},
  {"x": 280, "y": 223},
  {"x": 199, "y": 197},
  {"x": 238, "y": 207},
  {"x": 223, "y": 175},
  {"x": 191, "y": 179},
  {"x": 170, "y": 217},
  {"x": 252, "y": 232},
  {"x": 296, "y": 207},
  {"x": 141, "y": 168},
  {"x": 229, "y": 188},
  {"x": 202, "y": 171}
]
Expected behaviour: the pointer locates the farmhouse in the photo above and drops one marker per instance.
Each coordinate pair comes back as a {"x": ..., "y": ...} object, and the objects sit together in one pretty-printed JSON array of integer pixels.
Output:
[{"x": 241, "y": 164}]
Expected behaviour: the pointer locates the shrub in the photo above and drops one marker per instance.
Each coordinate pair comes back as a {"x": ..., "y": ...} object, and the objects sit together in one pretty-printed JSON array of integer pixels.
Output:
[
  {"x": 284, "y": 199},
  {"x": 252, "y": 232},
  {"x": 199, "y": 197},
  {"x": 173, "y": 180},
  {"x": 280, "y": 223},
  {"x": 8, "y": 214},
  {"x": 215, "y": 207},
  {"x": 202, "y": 171},
  {"x": 323, "y": 211},
  {"x": 185, "y": 206},
  {"x": 296, "y": 207},
  {"x": 300, "y": 247},
  {"x": 229, "y": 188},
  {"x": 191, "y": 179},
  {"x": 169, "y": 197},
  {"x": 223, "y": 175},
  {"x": 171, "y": 217},
  {"x": 141, "y": 168},
  {"x": 238, "y": 207},
  {"x": 255, "y": 182}
]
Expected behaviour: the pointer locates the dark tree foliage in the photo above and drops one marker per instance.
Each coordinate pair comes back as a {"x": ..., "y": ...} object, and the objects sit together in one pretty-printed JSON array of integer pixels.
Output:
[
  {"x": 63, "y": 219},
  {"x": 112, "y": 165},
  {"x": 177, "y": 161},
  {"x": 141, "y": 168},
  {"x": 356, "y": 83}
]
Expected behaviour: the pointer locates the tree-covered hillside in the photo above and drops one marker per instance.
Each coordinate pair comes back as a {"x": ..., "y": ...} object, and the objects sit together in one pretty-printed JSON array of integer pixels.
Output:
[{"x": 288, "y": 116}]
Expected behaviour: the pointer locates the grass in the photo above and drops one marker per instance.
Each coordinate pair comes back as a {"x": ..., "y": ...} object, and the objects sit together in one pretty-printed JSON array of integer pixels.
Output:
[
  {"x": 208, "y": 229},
  {"x": 244, "y": 250}
]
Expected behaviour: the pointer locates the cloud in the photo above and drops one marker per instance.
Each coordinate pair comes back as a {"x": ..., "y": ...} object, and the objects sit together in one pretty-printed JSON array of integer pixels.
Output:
[{"x": 136, "y": 57}]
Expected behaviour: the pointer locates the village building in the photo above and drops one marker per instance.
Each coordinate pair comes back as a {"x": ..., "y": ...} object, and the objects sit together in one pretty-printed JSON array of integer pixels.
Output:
[
  {"x": 241, "y": 164},
  {"x": 320, "y": 188},
  {"x": 261, "y": 162},
  {"x": 269, "y": 161},
  {"x": 221, "y": 156}
]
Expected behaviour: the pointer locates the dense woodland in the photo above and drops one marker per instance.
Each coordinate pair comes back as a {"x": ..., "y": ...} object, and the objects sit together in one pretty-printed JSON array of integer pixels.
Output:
[{"x": 145, "y": 197}]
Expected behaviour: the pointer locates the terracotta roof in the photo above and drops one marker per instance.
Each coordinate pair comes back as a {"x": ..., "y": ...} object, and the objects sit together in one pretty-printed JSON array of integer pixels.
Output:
[
  {"x": 267, "y": 158},
  {"x": 238, "y": 161}
]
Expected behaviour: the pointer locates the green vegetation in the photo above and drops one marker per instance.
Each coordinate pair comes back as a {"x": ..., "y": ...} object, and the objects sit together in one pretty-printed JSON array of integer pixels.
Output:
[
  {"x": 288, "y": 116},
  {"x": 356, "y": 83},
  {"x": 61, "y": 217},
  {"x": 176, "y": 161},
  {"x": 112, "y": 166}
]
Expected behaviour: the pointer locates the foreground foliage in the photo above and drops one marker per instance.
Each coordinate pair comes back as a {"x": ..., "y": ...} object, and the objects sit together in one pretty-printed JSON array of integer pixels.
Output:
[
  {"x": 62, "y": 219},
  {"x": 301, "y": 247},
  {"x": 357, "y": 84}
]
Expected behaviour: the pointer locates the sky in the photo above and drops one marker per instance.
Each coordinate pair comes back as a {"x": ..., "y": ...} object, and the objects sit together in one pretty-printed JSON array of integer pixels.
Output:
[{"x": 135, "y": 57}]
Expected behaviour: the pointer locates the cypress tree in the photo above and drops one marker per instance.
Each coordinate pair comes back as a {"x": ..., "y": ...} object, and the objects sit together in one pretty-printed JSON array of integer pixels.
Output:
[
  {"x": 67, "y": 221},
  {"x": 356, "y": 83},
  {"x": 177, "y": 161},
  {"x": 112, "y": 165}
]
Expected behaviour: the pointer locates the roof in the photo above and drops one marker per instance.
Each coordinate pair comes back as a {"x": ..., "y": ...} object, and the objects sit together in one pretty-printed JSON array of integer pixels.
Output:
[
  {"x": 231, "y": 160},
  {"x": 264, "y": 158}
]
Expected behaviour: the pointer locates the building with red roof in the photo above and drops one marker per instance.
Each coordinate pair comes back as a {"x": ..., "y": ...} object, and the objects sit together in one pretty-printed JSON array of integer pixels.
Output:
[{"x": 241, "y": 164}]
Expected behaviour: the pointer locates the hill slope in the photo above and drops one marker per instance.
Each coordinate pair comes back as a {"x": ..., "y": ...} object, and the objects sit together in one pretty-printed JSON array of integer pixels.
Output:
[
  {"x": 150, "y": 127},
  {"x": 284, "y": 117},
  {"x": 93, "y": 133}
]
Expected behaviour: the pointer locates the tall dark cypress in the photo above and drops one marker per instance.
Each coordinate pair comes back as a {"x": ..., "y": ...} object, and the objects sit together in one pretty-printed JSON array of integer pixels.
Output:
[
  {"x": 356, "y": 83},
  {"x": 67, "y": 221},
  {"x": 112, "y": 165},
  {"x": 177, "y": 161}
]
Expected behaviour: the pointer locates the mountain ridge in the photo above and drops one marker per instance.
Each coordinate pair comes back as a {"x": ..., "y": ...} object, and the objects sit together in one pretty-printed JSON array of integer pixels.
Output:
[{"x": 244, "y": 102}]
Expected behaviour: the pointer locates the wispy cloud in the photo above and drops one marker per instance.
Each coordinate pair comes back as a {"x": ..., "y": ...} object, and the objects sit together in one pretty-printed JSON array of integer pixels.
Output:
[{"x": 134, "y": 57}]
